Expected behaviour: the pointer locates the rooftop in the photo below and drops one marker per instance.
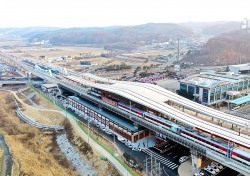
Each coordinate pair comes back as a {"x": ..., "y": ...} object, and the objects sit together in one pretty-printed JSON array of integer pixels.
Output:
[
  {"x": 208, "y": 79},
  {"x": 241, "y": 100},
  {"x": 241, "y": 65},
  {"x": 49, "y": 86}
]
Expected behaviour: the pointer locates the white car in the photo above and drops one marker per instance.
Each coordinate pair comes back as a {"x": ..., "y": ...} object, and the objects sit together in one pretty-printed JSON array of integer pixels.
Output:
[
  {"x": 109, "y": 131},
  {"x": 183, "y": 159},
  {"x": 129, "y": 144},
  {"x": 103, "y": 128}
]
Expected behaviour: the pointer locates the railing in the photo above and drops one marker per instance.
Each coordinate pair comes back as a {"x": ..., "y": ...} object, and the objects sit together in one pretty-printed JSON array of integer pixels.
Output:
[
  {"x": 34, "y": 123},
  {"x": 4, "y": 82}
]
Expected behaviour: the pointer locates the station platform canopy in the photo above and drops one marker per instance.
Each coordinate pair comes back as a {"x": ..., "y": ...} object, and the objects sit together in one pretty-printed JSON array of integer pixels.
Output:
[
  {"x": 241, "y": 100},
  {"x": 120, "y": 121}
]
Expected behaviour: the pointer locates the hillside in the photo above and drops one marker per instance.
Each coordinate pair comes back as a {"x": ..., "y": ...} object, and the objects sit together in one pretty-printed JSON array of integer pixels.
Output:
[
  {"x": 226, "y": 49},
  {"x": 221, "y": 28},
  {"x": 213, "y": 28},
  {"x": 119, "y": 34}
]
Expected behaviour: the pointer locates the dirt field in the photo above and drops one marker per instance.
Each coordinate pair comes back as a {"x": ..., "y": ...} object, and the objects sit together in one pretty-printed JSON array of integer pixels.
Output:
[
  {"x": 56, "y": 51},
  {"x": 147, "y": 53},
  {"x": 12, "y": 43}
]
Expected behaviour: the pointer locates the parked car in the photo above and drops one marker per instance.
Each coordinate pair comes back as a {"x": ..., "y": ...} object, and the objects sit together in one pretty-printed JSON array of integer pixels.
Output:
[
  {"x": 109, "y": 131},
  {"x": 217, "y": 165},
  {"x": 129, "y": 144},
  {"x": 183, "y": 159}
]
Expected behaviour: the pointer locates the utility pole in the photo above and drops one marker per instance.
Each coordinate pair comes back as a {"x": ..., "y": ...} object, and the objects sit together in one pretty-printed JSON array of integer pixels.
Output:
[
  {"x": 88, "y": 126},
  {"x": 178, "y": 50},
  {"x": 154, "y": 164}
]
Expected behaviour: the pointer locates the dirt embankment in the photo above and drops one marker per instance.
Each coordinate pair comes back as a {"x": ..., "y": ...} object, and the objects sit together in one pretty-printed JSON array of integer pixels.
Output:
[
  {"x": 102, "y": 167},
  {"x": 34, "y": 152}
]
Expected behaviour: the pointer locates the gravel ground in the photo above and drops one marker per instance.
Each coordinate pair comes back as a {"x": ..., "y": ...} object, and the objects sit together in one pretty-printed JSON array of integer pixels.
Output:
[{"x": 68, "y": 150}]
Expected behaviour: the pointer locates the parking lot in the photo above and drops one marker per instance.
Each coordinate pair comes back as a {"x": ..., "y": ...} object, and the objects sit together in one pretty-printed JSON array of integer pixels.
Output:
[{"x": 216, "y": 169}]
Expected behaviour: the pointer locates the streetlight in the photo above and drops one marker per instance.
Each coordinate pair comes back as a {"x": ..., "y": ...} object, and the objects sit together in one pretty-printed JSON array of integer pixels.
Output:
[
  {"x": 65, "y": 107},
  {"x": 114, "y": 143},
  {"x": 88, "y": 126},
  {"x": 228, "y": 102}
]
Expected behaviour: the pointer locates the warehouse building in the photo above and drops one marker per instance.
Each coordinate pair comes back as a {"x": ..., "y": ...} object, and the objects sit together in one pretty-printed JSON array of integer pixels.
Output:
[{"x": 211, "y": 88}]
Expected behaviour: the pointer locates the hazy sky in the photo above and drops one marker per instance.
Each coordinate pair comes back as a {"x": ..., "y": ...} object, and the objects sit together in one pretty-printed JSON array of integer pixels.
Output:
[{"x": 83, "y": 13}]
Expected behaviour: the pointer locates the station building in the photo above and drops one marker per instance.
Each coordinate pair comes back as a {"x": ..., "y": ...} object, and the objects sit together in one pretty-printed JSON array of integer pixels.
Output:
[
  {"x": 211, "y": 88},
  {"x": 114, "y": 122}
]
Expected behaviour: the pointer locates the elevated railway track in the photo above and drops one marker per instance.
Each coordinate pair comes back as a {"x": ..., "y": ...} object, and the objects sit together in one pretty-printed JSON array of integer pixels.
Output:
[{"x": 195, "y": 147}]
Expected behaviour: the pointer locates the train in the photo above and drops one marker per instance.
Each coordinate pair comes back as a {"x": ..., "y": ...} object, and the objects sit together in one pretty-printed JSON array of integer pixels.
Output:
[{"x": 213, "y": 143}]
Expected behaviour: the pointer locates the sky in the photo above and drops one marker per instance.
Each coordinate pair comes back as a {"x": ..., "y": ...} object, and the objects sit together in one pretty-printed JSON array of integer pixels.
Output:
[{"x": 95, "y": 13}]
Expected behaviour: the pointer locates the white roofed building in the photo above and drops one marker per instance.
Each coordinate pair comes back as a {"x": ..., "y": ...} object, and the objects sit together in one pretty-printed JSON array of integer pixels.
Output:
[{"x": 211, "y": 88}]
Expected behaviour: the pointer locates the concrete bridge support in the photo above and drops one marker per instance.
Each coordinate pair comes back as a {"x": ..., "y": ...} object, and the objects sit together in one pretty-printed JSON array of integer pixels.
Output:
[{"x": 196, "y": 159}]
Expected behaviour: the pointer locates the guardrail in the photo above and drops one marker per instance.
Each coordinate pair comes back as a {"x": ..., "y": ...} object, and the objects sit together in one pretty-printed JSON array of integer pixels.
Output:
[{"x": 36, "y": 124}]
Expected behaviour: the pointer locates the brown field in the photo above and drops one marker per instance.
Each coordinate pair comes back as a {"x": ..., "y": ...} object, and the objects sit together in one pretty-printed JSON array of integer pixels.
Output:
[
  {"x": 150, "y": 53},
  {"x": 12, "y": 43},
  {"x": 56, "y": 51}
]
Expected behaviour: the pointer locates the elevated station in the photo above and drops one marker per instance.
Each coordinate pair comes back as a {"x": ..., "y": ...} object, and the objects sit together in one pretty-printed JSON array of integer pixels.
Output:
[
  {"x": 117, "y": 124},
  {"x": 146, "y": 105}
]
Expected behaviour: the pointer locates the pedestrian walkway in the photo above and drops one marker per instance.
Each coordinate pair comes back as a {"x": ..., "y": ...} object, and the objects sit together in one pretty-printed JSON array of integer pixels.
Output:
[
  {"x": 145, "y": 142},
  {"x": 162, "y": 160},
  {"x": 28, "y": 97}
]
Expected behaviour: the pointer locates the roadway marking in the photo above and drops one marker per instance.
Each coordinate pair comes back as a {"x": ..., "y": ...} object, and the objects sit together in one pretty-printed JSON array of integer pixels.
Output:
[{"x": 162, "y": 160}]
